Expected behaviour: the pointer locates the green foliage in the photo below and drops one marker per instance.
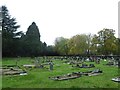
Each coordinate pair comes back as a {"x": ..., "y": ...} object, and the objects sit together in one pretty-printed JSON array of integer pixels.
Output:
[
  {"x": 31, "y": 44},
  {"x": 78, "y": 44},
  {"x": 102, "y": 43},
  {"x": 118, "y": 46},
  {"x": 50, "y": 50},
  {"x": 16, "y": 43},
  {"x": 9, "y": 26},
  {"x": 94, "y": 43},
  {"x": 32, "y": 33},
  {"x": 61, "y": 45},
  {"x": 9, "y": 33},
  {"x": 105, "y": 42}
]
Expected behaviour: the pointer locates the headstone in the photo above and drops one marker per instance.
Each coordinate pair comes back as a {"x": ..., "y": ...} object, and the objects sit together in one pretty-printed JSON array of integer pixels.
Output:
[
  {"x": 84, "y": 65},
  {"x": 36, "y": 62},
  {"x": 51, "y": 65},
  {"x": 98, "y": 60},
  {"x": 91, "y": 65},
  {"x": 87, "y": 59}
]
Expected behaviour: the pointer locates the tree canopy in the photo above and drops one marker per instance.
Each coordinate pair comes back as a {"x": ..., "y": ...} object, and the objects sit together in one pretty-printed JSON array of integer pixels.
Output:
[
  {"x": 102, "y": 43},
  {"x": 9, "y": 33},
  {"x": 17, "y": 43},
  {"x": 106, "y": 41}
]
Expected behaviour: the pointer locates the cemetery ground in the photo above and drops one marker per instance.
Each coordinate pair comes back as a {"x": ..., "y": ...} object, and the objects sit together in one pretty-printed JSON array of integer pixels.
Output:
[{"x": 39, "y": 77}]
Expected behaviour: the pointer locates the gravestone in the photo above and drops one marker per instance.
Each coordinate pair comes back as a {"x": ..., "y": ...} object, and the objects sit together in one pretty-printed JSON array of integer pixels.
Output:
[
  {"x": 91, "y": 65},
  {"x": 51, "y": 65},
  {"x": 84, "y": 65},
  {"x": 98, "y": 60},
  {"x": 37, "y": 63}
]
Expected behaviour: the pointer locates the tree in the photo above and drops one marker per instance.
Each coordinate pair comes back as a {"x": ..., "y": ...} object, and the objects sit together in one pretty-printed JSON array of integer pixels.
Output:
[
  {"x": 89, "y": 40},
  {"x": 94, "y": 44},
  {"x": 32, "y": 33},
  {"x": 118, "y": 47},
  {"x": 51, "y": 51},
  {"x": 61, "y": 45},
  {"x": 78, "y": 44},
  {"x": 44, "y": 48},
  {"x": 32, "y": 46},
  {"x": 106, "y": 42},
  {"x": 9, "y": 34}
]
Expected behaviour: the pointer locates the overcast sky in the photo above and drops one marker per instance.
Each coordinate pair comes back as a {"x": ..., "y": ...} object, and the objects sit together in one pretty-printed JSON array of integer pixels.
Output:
[{"x": 56, "y": 18}]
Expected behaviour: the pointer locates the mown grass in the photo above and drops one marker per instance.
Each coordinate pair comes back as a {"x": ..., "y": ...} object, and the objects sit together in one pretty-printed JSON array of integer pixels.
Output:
[{"x": 38, "y": 78}]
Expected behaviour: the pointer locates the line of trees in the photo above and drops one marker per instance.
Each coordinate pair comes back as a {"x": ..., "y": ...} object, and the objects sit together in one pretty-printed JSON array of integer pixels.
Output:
[
  {"x": 16, "y": 43},
  {"x": 102, "y": 43}
]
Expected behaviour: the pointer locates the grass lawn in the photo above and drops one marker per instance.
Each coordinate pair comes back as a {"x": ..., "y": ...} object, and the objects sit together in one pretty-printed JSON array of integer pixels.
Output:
[{"x": 38, "y": 78}]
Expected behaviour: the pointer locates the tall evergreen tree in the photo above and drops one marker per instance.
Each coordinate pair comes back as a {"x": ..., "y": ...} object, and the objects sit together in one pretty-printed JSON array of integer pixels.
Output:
[
  {"x": 31, "y": 41},
  {"x": 32, "y": 33},
  {"x": 9, "y": 33}
]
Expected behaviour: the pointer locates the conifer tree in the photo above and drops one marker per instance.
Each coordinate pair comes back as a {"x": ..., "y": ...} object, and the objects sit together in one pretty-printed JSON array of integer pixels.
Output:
[{"x": 9, "y": 33}]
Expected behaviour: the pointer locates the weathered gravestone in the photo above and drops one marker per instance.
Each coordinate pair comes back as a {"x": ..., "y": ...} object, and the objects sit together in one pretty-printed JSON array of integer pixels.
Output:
[{"x": 51, "y": 65}]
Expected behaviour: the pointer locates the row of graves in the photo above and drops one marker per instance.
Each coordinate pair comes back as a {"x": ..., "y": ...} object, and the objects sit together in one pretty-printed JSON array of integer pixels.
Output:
[
  {"x": 112, "y": 60},
  {"x": 12, "y": 70},
  {"x": 75, "y": 61},
  {"x": 79, "y": 61},
  {"x": 15, "y": 69},
  {"x": 74, "y": 75},
  {"x": 40, "y": 63}
]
